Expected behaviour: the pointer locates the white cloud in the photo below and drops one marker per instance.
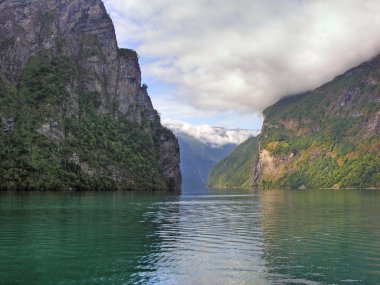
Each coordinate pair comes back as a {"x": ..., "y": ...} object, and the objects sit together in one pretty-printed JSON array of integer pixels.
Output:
[
  {"x": 216, "y": 136},
  {"x": 246, "y": 54},
  {"x": 171, "y": 108}
]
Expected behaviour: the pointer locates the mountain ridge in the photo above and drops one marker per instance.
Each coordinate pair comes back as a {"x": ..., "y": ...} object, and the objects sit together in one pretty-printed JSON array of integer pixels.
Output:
[
  {"x": 73, "y": 110},
  {"x": 199, "y": 153},
  {"x": 197, "y": 158},
  {"x": 325, "y": 138}
]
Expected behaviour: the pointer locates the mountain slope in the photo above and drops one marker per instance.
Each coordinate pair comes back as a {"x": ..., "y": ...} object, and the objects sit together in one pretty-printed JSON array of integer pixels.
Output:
[
  {"x": 74, "y": 114},
  {"x": 326, "y": 138},
  {"x": 197, "y": 158},
  {"x": 202, "y": 147},
  {"x": 236, "y": 169}
]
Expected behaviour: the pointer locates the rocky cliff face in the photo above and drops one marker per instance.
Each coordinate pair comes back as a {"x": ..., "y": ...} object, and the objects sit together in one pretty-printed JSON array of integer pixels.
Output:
[
  {"x": 326, "y": 138},
  {"x": 67, "y": 91}
]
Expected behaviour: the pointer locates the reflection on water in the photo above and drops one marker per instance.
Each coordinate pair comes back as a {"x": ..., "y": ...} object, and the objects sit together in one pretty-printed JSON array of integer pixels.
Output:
[
  {"x": 213, "y": 237},
  {"x": 89, "y": 238},
  {"x": 329, "y": 237}
]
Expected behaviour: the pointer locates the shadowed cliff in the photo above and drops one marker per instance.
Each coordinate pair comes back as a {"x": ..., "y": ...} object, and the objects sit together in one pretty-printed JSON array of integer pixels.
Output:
[{"x": 73, "y": 111}]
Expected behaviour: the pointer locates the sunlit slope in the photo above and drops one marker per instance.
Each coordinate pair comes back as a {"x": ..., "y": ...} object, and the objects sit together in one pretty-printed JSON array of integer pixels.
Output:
[{"x": 326, "y": 138}]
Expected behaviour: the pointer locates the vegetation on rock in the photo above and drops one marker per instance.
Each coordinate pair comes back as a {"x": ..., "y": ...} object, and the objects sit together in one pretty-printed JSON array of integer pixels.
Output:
[
  {"x": 81, "y": 155},
  {"x": 235, "y": 171},
  {"x": 326, "y": 138},
  {"x": 74, "y": 115}
]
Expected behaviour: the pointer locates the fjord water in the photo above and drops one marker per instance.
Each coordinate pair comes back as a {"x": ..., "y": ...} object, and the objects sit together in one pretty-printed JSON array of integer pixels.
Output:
[{"x": 212, "y": 237}]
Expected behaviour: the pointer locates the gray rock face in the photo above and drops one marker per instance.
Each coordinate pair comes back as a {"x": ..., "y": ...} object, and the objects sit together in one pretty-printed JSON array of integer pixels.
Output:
[
  {"x": 82, "y": 31},
  {"x": 79, "y": 29}
]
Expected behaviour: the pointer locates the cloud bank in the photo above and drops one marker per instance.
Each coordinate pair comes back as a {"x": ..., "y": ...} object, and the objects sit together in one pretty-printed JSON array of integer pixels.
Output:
[
  {"x": 172, "y": 109},
  {"x": 215, "y": 136},
  {"x": 246, "y": 54}
]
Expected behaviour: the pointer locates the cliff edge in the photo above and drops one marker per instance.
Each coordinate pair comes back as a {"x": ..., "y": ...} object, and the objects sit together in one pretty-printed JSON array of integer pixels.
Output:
[{"x": 73, "y": 112}]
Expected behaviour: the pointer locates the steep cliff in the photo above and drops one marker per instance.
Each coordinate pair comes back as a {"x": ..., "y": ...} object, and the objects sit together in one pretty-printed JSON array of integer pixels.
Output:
[
  {"x": 73, "y": 111},
  {"x": 326, "y": 138}
]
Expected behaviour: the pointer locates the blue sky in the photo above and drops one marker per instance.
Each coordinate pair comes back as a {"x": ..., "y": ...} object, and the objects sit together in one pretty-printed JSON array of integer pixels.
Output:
[{"x": 222, "y": 62}]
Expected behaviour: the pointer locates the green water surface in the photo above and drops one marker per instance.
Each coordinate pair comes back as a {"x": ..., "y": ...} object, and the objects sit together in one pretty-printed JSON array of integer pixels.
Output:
[{"x": 213, "y": 237}]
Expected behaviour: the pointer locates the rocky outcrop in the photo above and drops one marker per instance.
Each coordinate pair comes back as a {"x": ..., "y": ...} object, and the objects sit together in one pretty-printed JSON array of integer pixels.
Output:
[
  {"x": 325, "y": 138},
  {"x": 80, "y": 30},
  {"x": 60, "y": 61}
]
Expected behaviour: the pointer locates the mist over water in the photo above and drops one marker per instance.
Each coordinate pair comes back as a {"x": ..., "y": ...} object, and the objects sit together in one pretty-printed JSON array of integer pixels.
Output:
[{"x": 211, "y": 237}]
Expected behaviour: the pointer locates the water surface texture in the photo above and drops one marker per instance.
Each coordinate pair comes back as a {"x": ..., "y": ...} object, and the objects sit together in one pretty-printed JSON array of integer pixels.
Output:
[{"x": 213, "y": 237}]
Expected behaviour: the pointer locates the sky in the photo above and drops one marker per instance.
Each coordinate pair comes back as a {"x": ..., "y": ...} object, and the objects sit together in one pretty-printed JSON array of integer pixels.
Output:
[{"x": 222, "y": 62}]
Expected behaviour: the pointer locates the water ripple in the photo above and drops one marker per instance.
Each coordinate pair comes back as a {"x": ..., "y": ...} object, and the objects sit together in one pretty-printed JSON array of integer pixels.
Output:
[{"x": 241, "y": 237}]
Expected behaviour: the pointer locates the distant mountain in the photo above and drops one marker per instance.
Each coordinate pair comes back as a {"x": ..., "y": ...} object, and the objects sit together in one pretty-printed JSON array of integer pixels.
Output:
[
  {"x": 197, "y": 158},
  {"x": 326, "y": 138},
  {"x": 202, "y": 147}
]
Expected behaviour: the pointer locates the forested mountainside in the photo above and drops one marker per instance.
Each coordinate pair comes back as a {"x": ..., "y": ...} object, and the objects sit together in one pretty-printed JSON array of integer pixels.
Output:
[
  {"x": 236, "y": 169},
  {"x": 326, "y": 138},
  {"x": 73, "y": 111}
]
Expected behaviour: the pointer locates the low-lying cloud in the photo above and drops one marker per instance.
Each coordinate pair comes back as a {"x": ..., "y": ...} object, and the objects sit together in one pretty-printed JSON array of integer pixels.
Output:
[
  {"x": 215, "y": 136},
  {"x": 244, "y": 55}
]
